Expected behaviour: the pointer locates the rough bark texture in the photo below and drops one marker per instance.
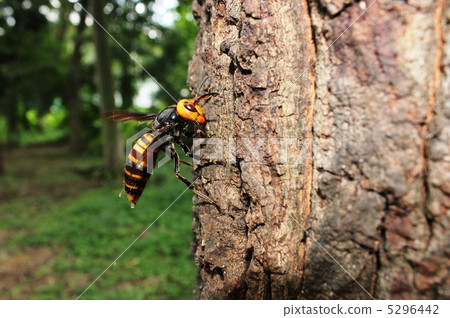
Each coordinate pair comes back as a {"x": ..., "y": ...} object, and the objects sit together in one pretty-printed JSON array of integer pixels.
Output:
[
  {"x": 368, "y": 176},
  {"x": 381, "y": 196}
]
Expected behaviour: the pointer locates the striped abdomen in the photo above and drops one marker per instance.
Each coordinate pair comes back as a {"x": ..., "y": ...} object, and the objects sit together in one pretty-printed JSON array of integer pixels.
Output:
[{"x": 140, "y": 163}]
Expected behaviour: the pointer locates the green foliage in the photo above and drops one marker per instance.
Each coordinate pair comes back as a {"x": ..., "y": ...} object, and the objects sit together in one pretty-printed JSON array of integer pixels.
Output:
[
  {"x": 3, "y": 129},
  {"x": 32, "y": 67},
  {"x": 49, "y": 128},
  {"x": 36, "y": 52},
  {"x": 31, "y": 137}
]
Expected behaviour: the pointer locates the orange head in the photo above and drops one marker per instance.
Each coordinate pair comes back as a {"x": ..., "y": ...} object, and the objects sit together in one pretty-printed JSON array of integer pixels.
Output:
[{"x": 191, "y": 110}]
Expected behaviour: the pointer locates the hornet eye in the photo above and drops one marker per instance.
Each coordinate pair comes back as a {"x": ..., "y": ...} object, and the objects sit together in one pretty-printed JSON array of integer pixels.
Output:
[{"x": 189, "y": 107}]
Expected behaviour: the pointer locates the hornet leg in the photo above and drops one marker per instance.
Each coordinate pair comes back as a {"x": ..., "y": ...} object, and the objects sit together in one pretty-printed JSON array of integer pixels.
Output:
[
  {"x": 185, "y": 148},
  {"x": 190, "y": 185},
  {"x": 186, "y": 151}
]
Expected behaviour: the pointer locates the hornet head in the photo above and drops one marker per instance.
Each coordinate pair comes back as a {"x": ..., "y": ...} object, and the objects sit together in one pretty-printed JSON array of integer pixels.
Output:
[{"x": 190, "y": 109}]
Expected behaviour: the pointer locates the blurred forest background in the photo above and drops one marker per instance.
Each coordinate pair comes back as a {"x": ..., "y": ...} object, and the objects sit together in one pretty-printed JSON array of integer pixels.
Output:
[{"x": 62, "y": 221}]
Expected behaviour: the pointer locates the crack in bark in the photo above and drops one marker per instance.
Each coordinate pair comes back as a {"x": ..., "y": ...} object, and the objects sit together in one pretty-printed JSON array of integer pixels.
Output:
[
  {"x": 434, "y": 86},
  {"x": 374, "y": 278},
  {"x": 269, "y": 285},
  {"x": 309, "y": 184}
]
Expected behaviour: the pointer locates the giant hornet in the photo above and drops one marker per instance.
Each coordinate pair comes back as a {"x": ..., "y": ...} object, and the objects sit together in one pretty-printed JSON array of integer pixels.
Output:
[{"x": 170, "y": 126}]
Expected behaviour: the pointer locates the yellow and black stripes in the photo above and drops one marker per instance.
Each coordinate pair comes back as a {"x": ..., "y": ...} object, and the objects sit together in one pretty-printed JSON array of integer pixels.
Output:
[
  {"x": 139, "y": 156},
  {"x": 134, "y": 183},
  {"x": 140, "y": 163}
]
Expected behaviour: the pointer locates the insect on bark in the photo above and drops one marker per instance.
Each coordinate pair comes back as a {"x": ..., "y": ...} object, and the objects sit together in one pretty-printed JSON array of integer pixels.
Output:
[{"x": 170, "y": 126}]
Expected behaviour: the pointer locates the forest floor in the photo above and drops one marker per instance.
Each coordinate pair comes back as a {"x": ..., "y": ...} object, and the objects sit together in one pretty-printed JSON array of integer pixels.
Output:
[{"x": 61, "y": 226}]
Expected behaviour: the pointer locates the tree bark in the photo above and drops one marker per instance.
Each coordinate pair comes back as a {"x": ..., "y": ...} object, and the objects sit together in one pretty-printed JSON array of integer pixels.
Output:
[
  {"x": 110, "y": 132},
  {"x": 337, "y": 120}
]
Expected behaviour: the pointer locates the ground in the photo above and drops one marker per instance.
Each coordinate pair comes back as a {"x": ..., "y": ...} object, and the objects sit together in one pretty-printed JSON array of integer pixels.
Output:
[{"x": 61, "y": 226}]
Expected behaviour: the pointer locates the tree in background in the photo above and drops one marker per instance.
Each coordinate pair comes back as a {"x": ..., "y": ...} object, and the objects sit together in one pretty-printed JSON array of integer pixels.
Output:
[
  {"x": 48, "y": 58},
  {"x": 73, "y": 100},
  {"x": 337, "y": 185},
  {"x": 110, "y": 132},
  {"x": 32, "y": 67}
]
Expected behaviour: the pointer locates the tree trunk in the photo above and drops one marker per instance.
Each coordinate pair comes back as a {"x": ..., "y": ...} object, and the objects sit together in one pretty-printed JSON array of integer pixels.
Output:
[
  {"x": 110, "y": 133},
  {"x": 335, "y": 124},
  {"x": 73, "y": 90}
]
